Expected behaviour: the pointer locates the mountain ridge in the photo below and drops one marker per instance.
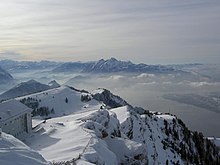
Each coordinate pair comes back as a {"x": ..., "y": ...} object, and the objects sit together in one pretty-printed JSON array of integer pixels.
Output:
[
  {"x": 112, "y": 65},
  {"x": 152, "y": 137},
  {"x": 26, "y": 88},
  {"x": 15, "y": 66}
]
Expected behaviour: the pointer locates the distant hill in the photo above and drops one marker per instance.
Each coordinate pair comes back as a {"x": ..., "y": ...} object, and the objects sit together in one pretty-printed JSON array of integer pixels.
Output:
[
  {"x": 26, "y": 88},
  {"x": 5, "y": 77}
]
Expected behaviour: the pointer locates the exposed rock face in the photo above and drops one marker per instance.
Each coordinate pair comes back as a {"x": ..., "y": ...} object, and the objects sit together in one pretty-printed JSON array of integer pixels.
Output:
[
  {"x": 166, "y": 138},
  {"x": 108, "y": 98}
]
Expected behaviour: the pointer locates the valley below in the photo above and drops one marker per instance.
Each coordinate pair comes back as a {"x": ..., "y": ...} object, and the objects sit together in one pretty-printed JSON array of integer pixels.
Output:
[
  {"x": 193, "y": 94},
  {"x": 119, "y": 116}
]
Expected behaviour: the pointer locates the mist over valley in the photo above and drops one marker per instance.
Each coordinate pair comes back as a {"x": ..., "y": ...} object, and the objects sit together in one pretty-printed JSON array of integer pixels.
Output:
[{"x": 191, "y": 91}]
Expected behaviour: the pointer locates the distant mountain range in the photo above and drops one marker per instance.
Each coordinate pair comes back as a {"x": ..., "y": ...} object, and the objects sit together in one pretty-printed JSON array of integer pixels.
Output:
[
  {"x": 13, "y": 66},
  {"x": 111, "y": 65}
]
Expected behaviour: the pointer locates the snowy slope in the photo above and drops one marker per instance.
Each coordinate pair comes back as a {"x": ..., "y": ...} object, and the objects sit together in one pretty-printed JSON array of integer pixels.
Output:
[
  {"x": 13, "y": 151},
  {"x": 59, "y": 139},
  {"x": 108, "y": 98},
  {"x": 62, "y": 100},
  {"x": 93, "y": 132},
  {"x": 149, "y": 134},
  {"x": 166, "y": 138},
  {"x": 119, "y": 136},
  {"x": 91, "y": 136}
]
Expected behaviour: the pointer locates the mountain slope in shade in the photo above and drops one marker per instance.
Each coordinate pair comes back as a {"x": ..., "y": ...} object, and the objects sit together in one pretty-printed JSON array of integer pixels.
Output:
[
  {"x": 24, "y": 88},
  {"x": 13, "y": 151},
  {"x": 5, "y": 77}
]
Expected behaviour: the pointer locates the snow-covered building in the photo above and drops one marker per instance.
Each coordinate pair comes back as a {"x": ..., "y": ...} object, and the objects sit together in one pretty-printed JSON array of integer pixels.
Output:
[{"x": 15, "y": 118}]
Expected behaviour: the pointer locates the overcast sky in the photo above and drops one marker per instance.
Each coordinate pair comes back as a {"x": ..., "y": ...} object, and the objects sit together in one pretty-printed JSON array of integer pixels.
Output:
[{"x": 150, "y": 31}]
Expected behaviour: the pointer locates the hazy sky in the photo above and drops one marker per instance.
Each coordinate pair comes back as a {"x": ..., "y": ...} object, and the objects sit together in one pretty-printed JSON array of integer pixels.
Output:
[{"x": 150, "y": 31}]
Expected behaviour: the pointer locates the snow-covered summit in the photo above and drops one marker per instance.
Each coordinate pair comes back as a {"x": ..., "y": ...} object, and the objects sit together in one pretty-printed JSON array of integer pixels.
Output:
[
  {"x": 59, "y": 101},
  {"x": 109, "y": 65}
]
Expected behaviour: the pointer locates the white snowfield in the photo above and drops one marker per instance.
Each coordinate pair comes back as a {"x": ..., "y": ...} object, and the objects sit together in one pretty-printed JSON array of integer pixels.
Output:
[
  {"x": 13, "y": 151},
  {"x": 82, "y": 137},
  {"x": 63, "y": 100},
  {"x": 86, "y": 133},
  {"x": 60, "y": 139},
  {"x": 94, "y": 137},
  {"x": 167, "y": 117}
]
